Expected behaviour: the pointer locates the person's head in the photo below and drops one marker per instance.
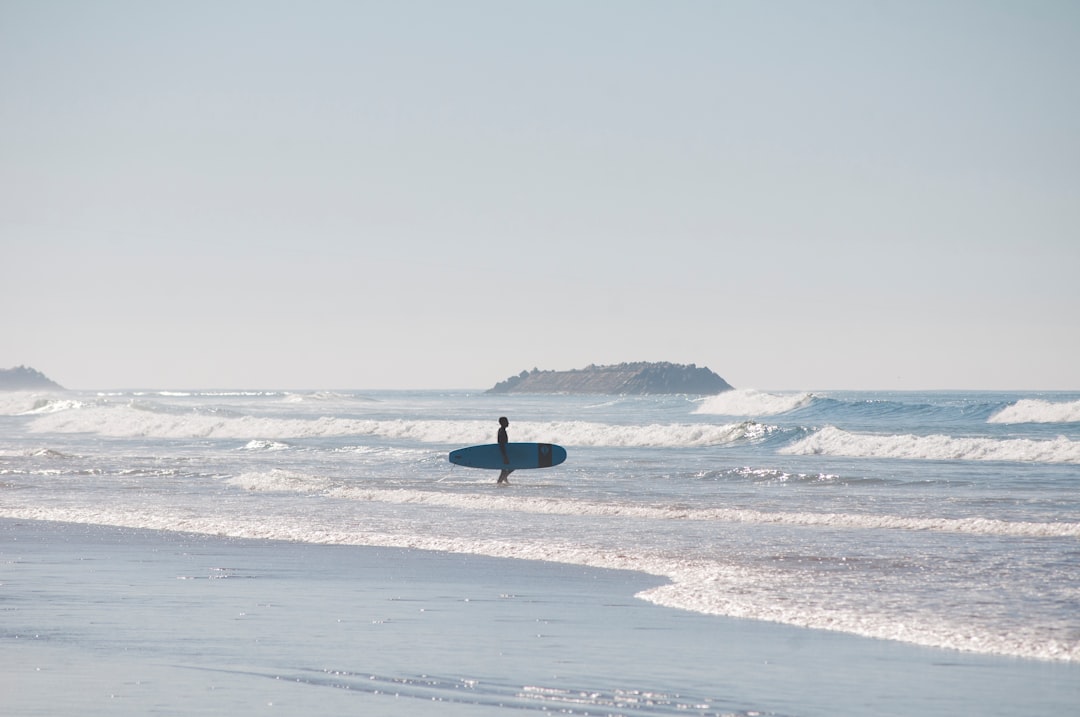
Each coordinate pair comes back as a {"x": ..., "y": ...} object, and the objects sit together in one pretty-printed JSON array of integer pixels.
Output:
[{"x": 504, "y": 422}]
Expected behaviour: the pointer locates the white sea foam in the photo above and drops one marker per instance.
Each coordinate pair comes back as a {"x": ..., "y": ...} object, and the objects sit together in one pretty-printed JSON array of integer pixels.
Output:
[
  {"x": 320, "y": 396},
  {"x": 1033, "y": 410},
  {"x": 257, "y": 445},
  {"x": 34, "y": 452},
  {"x": 134, "y": 420},
  {"x": 832, "y": 441},
  {"x": 758, "y": 594},
  {"x": 43, "y": 406},
  {"x": 278, "y": 480},
  {"x": 131, "y": 420},
  {"x": 551, "y": 506},
  {"x": 749, "y": 402},
  {"x": 15, "y": 403},
  {"x": 190, "y": 394}
]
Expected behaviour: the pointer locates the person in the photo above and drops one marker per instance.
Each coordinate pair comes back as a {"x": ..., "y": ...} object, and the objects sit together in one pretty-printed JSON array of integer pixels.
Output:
[{"x": 503, "y": 440}]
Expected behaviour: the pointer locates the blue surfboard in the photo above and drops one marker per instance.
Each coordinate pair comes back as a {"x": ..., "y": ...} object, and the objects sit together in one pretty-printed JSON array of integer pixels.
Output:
[{"x": 521, "y": 455}]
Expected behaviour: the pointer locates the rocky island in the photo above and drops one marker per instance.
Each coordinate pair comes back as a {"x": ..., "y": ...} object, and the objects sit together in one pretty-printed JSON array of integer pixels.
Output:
[
  {"x": 24, "y": 378},
  {"x": 624, "y": 378}
]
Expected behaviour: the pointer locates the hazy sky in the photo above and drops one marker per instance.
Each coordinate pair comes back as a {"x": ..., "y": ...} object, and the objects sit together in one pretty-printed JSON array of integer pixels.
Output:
[{"x": 799, "y": 195}]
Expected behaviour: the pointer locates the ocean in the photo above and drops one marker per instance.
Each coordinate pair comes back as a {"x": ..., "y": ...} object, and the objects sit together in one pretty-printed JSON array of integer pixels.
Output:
[{"x": 944, "y": 521}]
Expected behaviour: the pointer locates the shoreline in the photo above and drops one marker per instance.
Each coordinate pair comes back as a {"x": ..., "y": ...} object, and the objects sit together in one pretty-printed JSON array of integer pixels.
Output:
[
  {"x": 102, "y": 619},
  {"x": 682, "y": 587}
]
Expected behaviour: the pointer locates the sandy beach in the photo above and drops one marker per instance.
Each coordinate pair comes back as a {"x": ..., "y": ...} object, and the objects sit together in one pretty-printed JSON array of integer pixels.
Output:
[{"x": 102, "y": 620}]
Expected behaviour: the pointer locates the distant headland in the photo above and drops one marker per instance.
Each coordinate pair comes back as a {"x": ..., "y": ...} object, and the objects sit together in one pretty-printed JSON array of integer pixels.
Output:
[
  {"x": 624, "y": 378},
  {"x": 24, "y": 378}
]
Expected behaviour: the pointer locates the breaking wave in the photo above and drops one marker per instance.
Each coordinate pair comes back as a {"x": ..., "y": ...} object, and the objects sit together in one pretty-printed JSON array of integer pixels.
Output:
[
  {"x": 1034, "y": 410},
  {"x": 135, "y": 420},
  {"x": 832, "y": 441},
  {"x": 25, "y": 403},
  {"x": 749, "y": 402}
]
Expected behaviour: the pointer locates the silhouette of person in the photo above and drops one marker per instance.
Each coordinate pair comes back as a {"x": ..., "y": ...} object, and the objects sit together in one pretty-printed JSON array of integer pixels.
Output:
[{"x": 503, "y": 440}]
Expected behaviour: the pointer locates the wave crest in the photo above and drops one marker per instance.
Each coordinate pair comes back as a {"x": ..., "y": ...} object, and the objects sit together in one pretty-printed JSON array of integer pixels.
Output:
[
  {"x": 832, "y": 441},
  {"x": 1034, "y": 410},
  {"x": 749, "y": 402},
  {"x": 27, "y": 403}
]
